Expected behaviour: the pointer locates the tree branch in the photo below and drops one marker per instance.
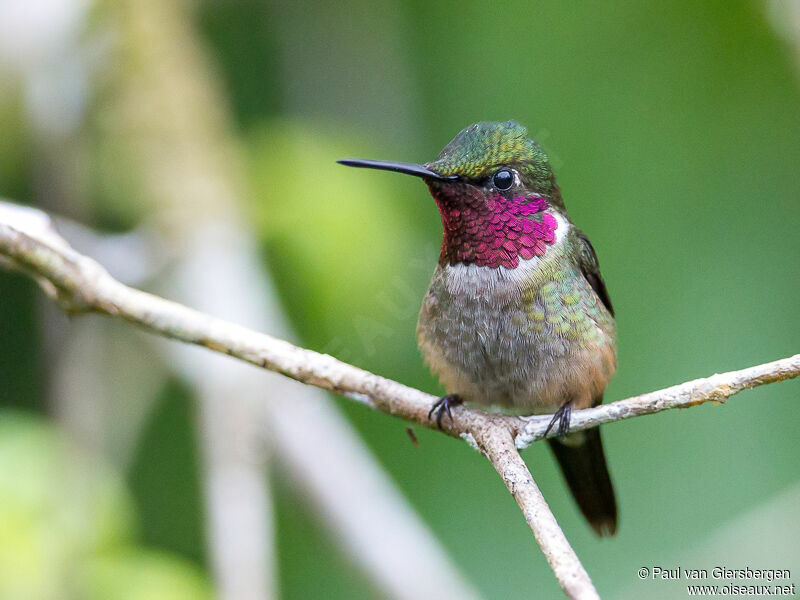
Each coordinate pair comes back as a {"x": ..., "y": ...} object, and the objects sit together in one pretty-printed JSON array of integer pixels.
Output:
[
  {"x": 498, "y": 446},
  {"x": 717, "y": 388},
  {"x": 79, "y": 284}
]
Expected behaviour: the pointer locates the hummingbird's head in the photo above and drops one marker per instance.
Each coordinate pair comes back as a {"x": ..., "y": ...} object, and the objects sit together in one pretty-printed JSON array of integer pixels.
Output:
[
  {"x": 496, "y": 193},
  {"x": 500, "y": 158}
]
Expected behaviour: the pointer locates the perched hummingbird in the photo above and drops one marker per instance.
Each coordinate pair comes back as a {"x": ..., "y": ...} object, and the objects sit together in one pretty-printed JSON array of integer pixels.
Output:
[{"x": 517, "y": 315}]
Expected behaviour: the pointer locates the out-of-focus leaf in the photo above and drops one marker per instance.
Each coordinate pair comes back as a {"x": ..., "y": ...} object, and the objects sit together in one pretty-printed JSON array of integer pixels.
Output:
[
  {"x": 58, "y": 506},
  {"x": 144, "y": 575},
  {"x": 343, "y": 237}
]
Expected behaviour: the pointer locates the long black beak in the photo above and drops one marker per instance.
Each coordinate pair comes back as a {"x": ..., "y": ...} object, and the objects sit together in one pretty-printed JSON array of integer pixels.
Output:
[{"x": 397, "y": 167}]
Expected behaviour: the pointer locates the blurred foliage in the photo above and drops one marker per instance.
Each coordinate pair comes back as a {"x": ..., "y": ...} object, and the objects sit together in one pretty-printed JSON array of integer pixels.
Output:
[
  {"x": 675, "y": 134},
  {"x": 330, "y": 235},
  {"x": 14, "y": 146},
  {"x": 20, "y": 362},
  {"x": 67, "y": 525},
  {"x": 167, "y": 451},
  {"x": 144, "y": 575}
]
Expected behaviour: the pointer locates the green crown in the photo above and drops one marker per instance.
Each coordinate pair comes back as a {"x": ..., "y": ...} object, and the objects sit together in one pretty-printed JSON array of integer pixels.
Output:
[{"x": 481, "y": 148}]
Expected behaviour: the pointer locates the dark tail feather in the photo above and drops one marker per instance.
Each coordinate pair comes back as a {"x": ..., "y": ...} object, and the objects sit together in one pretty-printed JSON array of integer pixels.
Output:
[{"x": 584, "y": 465}]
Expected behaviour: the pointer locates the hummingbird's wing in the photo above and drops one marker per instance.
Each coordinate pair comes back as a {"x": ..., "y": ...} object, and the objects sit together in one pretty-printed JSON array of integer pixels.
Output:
[
  {"x": 582, "y": 459},
  {"x": 591, "y": 270}
]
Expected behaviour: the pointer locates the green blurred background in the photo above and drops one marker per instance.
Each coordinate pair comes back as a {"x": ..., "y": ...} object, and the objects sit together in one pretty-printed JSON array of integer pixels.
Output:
[{"x": 674, "y": 129}]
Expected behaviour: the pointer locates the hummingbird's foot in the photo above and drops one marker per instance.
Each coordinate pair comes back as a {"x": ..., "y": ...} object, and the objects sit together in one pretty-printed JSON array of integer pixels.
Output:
[
  {"x": 561, "y": 417},
  {"x": 442, "y": 405}
]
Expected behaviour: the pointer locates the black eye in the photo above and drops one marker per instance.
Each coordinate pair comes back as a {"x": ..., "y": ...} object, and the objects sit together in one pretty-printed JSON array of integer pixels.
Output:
[{"x": 503, "y": 180}]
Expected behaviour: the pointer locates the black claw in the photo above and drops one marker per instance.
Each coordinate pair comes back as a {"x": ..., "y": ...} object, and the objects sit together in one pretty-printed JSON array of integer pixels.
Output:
[
  {"x": 442, "y": 405},
  {"x": 563, "y": 426},
  {"x": 562, "y": 417}
]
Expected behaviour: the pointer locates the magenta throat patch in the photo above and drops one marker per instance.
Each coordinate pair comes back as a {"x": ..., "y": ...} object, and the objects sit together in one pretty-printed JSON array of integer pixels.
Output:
[{"x": 491, "y": 230}]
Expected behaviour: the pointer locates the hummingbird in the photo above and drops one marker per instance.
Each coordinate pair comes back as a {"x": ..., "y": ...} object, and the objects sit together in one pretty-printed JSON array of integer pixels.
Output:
[{"x": 517, "y": 315}]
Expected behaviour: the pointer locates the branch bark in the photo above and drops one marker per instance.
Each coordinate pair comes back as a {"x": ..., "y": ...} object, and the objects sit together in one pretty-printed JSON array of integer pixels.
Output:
[
  {"x": 79, "y": 284},
  {"x": 498, "y": 446}
]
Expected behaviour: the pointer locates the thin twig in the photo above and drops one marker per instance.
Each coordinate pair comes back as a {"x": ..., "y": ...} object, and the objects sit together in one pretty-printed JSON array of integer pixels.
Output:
[
  {"x": 498, "y": 446},
  {"x": 81, "y": 285},
  {"x": 716, "y": 388}
]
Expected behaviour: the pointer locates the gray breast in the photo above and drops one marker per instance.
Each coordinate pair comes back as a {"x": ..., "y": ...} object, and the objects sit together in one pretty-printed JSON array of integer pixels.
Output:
[{"x": 526, "y": 339}]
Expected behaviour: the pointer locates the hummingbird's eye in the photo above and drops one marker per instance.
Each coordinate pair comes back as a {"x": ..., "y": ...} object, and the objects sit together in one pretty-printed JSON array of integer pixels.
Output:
[{"x": 503, "y": 180}]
